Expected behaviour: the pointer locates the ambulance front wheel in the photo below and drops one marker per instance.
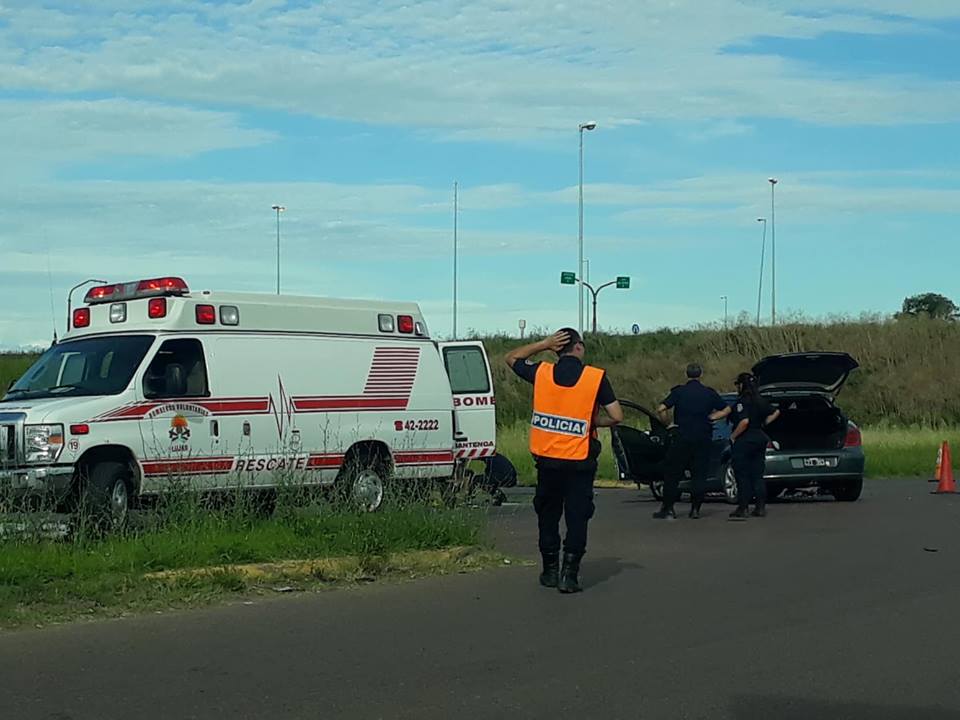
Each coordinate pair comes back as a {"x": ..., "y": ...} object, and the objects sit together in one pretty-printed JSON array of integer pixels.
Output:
[{"x": 105, "y": 495}]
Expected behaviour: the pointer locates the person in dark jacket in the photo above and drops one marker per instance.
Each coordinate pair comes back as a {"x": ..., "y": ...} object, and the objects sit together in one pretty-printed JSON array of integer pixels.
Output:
[
  {"x": 749, "y": 416},
  {"x": 694, "y": 406}
]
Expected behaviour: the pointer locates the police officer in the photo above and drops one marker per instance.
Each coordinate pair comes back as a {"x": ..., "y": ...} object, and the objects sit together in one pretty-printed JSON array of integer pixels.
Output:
[
  {"x": 694, "y": 407},
  {"x": 563, "y": 441},
  {"x": 749, "y": 415}
]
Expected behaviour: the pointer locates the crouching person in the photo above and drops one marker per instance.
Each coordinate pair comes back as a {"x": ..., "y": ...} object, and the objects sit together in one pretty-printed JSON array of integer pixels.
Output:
[{"x": 563, "y": 440}]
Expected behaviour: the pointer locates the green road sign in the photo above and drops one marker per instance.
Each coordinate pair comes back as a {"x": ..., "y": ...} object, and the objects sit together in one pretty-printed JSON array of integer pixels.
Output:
[
  {"x": 568, "y": 278},
  {"x": 623, "y": 282}
]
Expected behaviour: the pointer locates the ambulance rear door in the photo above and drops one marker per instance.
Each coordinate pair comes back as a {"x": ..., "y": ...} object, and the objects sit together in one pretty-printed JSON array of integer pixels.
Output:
[{"x": 475, "y": 422}]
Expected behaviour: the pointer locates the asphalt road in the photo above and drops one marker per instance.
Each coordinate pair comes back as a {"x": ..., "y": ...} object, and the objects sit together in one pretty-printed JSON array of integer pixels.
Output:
[{"x": 821, "y": 610}]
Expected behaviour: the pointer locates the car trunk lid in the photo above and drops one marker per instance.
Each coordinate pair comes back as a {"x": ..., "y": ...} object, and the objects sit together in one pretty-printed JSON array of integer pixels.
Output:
[{"x": 810, "y": 371}]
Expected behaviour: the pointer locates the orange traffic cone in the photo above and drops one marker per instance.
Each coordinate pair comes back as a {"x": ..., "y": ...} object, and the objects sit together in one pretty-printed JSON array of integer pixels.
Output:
[
  {"x": 947, "y": 485},
  {"x": 937, "y": 473}
]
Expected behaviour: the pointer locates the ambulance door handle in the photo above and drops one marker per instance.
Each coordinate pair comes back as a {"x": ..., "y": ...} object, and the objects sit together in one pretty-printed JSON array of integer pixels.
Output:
[
  {"x": 460, "y": 436},
  {"x": 214, "y": 428}
]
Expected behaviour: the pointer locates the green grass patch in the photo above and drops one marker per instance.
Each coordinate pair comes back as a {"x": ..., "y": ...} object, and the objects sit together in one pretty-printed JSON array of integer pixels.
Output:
[
  {"x": 890, "y": 451},
  {"x": 47, "y": 580}
]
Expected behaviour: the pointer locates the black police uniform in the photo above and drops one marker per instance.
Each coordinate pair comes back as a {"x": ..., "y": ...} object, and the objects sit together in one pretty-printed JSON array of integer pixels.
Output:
[
  {"x": 690, "y": 441},
  {"x": 565, "y": 487},
  {"x": 749, "y": 453}
]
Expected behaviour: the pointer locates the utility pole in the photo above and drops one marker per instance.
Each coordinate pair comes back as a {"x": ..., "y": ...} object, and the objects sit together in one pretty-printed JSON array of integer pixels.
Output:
[
  {"x": 773, "y": 251},
  {"x": 763, "y": 250},
  {"x": 724, "y": 298},
  {"x": 583, "y": 126},
  {"x": 278, "y": 209},
  {"x": 456, "y": 200}
]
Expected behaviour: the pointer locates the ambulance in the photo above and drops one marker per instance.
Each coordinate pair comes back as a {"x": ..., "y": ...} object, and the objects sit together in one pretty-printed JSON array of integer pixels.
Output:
[{"x": 156, "y": 385}]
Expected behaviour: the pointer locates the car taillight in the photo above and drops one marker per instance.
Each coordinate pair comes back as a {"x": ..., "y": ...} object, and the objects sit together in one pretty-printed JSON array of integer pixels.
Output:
[
  {"x": 206, "y": 315},
  {"x": 854, "y": 437},
  {"x": 405, "y": 324},
  {"x": 81, "y": 317},
  {"x": 157, "y": 308}
]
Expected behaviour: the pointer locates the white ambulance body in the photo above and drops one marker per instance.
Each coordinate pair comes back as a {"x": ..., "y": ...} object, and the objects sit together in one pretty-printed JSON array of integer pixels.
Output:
[{"x": 154, "y": 384}]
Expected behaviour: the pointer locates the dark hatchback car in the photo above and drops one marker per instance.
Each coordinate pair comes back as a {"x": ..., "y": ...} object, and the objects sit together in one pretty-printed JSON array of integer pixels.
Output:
[{"x": 813, "y": 444}]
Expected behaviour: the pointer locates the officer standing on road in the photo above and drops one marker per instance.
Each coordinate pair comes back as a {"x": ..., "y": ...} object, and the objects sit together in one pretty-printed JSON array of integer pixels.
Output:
[
  {"x": 563, "y": 441},
  {"x": 694, "y": 407},
  {"x": 749, "y": 415}
]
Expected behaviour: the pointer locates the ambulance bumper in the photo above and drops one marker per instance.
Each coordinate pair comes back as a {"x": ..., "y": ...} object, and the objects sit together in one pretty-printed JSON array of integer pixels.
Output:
[{"x": 50, "y": 479}]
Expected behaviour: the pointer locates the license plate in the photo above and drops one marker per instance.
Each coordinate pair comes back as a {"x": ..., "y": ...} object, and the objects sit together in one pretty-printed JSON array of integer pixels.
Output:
[{"x": 820, "y": 462}]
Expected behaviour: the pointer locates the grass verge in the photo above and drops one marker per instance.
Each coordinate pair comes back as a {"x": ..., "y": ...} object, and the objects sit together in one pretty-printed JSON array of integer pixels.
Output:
[
  {"x": 184, "y": 559},
  {"x": 890, "y": 451}
]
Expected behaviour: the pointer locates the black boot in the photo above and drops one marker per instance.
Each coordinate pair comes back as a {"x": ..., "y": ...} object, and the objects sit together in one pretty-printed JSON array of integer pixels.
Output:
[
  {"x": 570, "y": 573},
  {"x": 551, "y": 569},
  {"x": 695, "y": 511},
  {"x": 741, "y": 513},
  {"x": 665, "y": 513},
  {"x": 760, "y": 510}
]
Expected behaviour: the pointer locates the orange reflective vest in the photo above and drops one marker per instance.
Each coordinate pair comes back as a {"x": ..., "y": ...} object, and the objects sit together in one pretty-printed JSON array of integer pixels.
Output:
[{"x": 562, "y": 423}]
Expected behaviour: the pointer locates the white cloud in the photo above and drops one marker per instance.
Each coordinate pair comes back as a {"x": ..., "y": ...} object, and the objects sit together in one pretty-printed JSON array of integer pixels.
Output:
[
  {"x": 484, "y": 68},
  {"x": 43, "y": 135}
]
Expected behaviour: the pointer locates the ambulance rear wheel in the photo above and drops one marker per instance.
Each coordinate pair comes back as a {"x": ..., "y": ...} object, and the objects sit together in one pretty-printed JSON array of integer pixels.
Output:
[{"x": 363, "y": 479}]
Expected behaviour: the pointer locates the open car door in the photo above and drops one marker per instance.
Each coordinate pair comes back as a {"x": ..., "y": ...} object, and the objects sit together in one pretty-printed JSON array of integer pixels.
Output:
[{"x": 639, "y": 445}]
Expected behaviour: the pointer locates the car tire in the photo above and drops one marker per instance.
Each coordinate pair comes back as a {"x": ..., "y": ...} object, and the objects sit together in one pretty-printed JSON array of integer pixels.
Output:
[
  {"x": 730, "y": 492},
  {"x": 848, "y": 491},
  {"x": 105, "y": 495}
]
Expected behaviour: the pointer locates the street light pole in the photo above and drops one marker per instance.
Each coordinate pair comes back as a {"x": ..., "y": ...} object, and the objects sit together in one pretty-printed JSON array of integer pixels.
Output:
[
  {"x": 763, "y": 251},
  {"x": 70, "y": 298},
  {"x": 724, "y": 298},
  {"x": 279, "y": 209},
  {"x": 456, "y": 199},
  {"x": 594, "y": 293},
  {"x": 773, "y": 252},
  {"x": 583, "y": 126}
]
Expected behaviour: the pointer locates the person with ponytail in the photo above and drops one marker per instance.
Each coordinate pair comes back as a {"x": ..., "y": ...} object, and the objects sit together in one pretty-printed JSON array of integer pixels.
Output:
[{"x": 750, "y": 414}]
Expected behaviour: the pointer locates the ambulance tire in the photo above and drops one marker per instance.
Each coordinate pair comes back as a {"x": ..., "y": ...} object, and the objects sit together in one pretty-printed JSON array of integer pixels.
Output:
[
  {"x": 105, "y": 495},
  {"x": 362, "y": 480}
]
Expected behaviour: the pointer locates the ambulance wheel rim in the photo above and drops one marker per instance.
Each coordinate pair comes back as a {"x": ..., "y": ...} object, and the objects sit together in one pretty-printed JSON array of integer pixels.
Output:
[
  {"x": 368, "y": 490},
  {"x": 119, "y": 500}
]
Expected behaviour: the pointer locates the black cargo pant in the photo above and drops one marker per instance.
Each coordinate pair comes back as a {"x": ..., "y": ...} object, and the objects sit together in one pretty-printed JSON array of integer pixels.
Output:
[
  {"x": 749, "y": 458},
  {"x": 566, "y": 493},
  {"x": 682, "y": 455}
]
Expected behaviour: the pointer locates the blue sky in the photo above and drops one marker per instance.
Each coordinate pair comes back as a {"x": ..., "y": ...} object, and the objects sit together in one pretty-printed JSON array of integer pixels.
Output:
[{"x": 147, "y": 139}]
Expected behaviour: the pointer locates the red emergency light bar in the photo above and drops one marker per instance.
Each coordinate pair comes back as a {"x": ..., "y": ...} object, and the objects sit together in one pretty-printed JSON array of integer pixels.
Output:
[{"x": 136, "y": 289}]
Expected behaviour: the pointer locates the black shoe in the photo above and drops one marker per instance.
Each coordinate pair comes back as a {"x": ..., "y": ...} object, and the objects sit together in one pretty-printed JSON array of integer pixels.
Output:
[
  {"x": 740, "y": 513},
  {"x": 550, "y": 576},
  {"x": 665, "y": 514},
  {"x": 759, "y": 511},
  {"x": 570, "y": 574},
  {"x": 695, "y": 512}
]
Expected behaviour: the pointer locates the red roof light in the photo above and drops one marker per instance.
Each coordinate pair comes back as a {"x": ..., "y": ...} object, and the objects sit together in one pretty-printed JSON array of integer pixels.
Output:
[
  {"x": 206, "y": 315},
  {"x": 157, "y": 308},
  {"x": 167, "y": 284},
  {"x": 137, "y": 289},
  {"x": 405, "y": 324},
  {"x": 81, "y": 317}
]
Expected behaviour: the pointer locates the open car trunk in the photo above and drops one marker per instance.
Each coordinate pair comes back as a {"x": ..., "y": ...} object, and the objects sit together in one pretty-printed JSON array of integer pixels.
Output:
[{"x": 807, "y": 423}]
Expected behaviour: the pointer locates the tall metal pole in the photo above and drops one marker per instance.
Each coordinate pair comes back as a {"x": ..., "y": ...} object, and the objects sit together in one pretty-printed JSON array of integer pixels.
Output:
[
  {"x": 278, "y": 209},
  {"x": 773, "y": 252},
  {"x": 580, "y": 239},
  {"x": 455, "y": 204},
  {"x": 583, "y": 126},
  {"x": 763, "y": 251},
  {"x": 724, "y": 298}
]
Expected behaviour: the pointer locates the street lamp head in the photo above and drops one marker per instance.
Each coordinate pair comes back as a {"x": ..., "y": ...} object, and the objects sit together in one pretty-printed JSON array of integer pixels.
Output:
[
  {"x": 772, "y": 181},
  {"x": 592, "y": 125},
  {"x": 279, "y": 208},
  {"x": 761, "y": 219}
]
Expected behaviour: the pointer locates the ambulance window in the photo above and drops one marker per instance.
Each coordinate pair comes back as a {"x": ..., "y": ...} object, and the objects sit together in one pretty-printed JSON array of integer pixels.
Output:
[
  {"x": 177, "y": 370},
  {"x": 467, "y": 370}
]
